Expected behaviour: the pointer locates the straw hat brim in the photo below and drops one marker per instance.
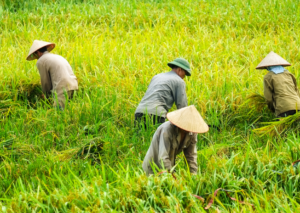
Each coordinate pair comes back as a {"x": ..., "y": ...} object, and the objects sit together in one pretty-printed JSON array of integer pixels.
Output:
[
  {"x": 264, "y": 67},
  {"x": 188, "y": 119},
  {"x": 38, "y": 45},
  {"x": 272, "y": 59}
]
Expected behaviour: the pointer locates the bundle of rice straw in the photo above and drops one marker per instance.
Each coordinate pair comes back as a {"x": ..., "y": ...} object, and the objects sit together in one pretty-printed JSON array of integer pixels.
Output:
[
  {"x": 255, "y": 102},
  {"x": 279, "y": 126},
  {"x": 90, "y": 150}
]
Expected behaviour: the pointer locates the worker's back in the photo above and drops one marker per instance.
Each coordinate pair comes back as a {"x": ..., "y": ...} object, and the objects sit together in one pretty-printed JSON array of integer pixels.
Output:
[
  {"x": 60, "y": 71},
  {"x": 163, "y": 90},
  {"x": 284, "y": 91}
]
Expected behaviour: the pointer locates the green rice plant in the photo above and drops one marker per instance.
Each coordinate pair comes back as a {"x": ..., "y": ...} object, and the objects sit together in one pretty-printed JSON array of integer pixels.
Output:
[{"x": 88, "y": 158}]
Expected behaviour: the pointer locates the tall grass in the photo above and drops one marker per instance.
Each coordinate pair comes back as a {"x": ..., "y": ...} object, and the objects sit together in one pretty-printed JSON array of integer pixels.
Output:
[{"x": 115, "y": 48}]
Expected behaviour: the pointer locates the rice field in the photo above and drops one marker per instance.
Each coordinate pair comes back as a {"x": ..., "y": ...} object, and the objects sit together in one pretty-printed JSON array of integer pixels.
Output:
[{"x": 88, "y": 158}]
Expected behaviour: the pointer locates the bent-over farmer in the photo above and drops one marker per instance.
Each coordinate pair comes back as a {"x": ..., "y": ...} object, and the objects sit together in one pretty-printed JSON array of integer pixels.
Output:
[
  {"x": 56, "y": 73},
  {"x": 280, "y": 86},
  {"x": 163, "y": 90},
  {"x": 177, "y": 135}
]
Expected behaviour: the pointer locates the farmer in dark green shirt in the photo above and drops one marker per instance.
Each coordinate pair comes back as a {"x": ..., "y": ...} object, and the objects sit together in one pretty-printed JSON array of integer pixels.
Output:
[
  {"x": 280, "y": 86},
  {"x": 163, "y": 90}
]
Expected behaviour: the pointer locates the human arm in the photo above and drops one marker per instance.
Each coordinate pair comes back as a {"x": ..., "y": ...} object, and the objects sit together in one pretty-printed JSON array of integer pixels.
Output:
[
  {"x": 180, "y": 95},
  {"x": 45, "y": 78},
  {"x": 190, "y": 154},
  {"x": 268, "y": 93},
  {"x": 164, "y": 150},
  {"x": 295, "y": 83}
]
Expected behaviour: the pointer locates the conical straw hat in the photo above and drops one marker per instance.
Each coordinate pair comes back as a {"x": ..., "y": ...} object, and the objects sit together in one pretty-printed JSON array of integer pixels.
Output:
[
  {"x": 38, "y": 45},
  {"x": 272, "y": 59},
  {"x": 189, "y": 119}
]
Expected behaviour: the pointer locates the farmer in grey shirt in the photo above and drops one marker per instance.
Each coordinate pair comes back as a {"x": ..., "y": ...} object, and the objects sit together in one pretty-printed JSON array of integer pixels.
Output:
[
  {"x": 163, "y": 91},
  {"x": 171, "y": 138}
]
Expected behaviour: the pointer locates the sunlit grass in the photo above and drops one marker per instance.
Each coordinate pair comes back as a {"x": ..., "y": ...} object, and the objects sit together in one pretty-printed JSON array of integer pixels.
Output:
[{"x": 88, "y": 157}]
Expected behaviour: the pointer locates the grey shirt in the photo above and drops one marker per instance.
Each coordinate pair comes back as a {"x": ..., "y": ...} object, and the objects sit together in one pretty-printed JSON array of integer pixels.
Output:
[
  {"x": 165, "y": 145},
  {"x": 163, "y": 91}
]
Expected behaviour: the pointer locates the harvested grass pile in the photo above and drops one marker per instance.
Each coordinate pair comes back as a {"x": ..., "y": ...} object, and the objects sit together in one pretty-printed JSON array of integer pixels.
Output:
[
  {"x": 279, "y": 126},
  {"x": 91, "y": 150},
  {"x": 256, "y": 103}
]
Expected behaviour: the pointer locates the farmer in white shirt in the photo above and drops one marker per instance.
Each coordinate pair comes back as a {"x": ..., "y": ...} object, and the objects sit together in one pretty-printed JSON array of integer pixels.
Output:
[{"x": 56, "y": 74}]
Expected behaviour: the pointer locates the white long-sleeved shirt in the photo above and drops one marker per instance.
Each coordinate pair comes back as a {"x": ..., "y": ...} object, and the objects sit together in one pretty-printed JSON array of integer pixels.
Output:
[{"x": 56, "y": 74}]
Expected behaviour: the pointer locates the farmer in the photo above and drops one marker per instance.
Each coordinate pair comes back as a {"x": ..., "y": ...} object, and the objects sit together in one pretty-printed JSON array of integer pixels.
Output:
[
  {"x": 163, "y": 91},
  {"x": 280, "y": 86},
  {"x": 55, "y": 72},
  {"x": 177, "y": 135}
]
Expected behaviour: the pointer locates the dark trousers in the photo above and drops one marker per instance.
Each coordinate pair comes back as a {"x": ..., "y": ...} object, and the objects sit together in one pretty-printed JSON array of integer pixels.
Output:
[
  {"x": 141, "y": 119},
  {"x": 287, "y": 113}
]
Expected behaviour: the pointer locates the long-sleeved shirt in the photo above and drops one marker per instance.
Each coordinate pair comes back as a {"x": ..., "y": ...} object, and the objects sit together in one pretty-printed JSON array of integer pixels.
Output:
[
  {"x": 281, "y": 92},
  {"x": 56, "y": 74},
  {"x": 163, "y": 90},
  {"x": 165, "y": 145}
]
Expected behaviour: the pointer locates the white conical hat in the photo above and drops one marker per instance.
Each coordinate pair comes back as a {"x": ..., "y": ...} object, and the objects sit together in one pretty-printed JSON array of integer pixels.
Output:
[
  {"x": 189, "y": 119},
  {"x": 38, "y": 45},
  {"x": 272, "y": 59}
]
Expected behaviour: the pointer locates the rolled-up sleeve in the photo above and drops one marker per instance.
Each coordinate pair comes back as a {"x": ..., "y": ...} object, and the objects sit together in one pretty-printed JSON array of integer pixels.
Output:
[
  {"x": 269, "y": 94},
  {"x": 190, "y": 154},
  {"x": 180, "y": 96},
  {"x": 45, "y": 78}
]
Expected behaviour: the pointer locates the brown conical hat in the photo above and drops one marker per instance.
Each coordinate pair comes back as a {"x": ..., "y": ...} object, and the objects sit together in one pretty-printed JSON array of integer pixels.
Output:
[
  {"x": 272, "y": 59},
  {"x": 189, "y": 119},
  {"x": 38, "y": 45}
]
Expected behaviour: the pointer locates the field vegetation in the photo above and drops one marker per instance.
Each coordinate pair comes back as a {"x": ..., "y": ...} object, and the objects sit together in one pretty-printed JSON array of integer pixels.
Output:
[{"x": 88, "y": 158}]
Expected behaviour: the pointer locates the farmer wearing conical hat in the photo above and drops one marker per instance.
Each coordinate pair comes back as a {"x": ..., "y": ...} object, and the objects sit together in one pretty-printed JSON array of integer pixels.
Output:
[
  {"x": 55, "y": 72},
  {"x": 280, "y": 86},
  {"x": 163, "y": 90},
  {"x": 177, "y": 135}
]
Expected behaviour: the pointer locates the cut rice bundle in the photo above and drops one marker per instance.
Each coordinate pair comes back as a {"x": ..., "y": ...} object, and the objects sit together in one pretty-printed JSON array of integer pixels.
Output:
[
  {"x": 90, "y": 150},
  {"x": 279, "y": 126}
]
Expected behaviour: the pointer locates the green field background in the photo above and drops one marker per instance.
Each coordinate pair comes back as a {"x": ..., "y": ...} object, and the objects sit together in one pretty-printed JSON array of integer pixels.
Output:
[{"x": 115, "y": 47}]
